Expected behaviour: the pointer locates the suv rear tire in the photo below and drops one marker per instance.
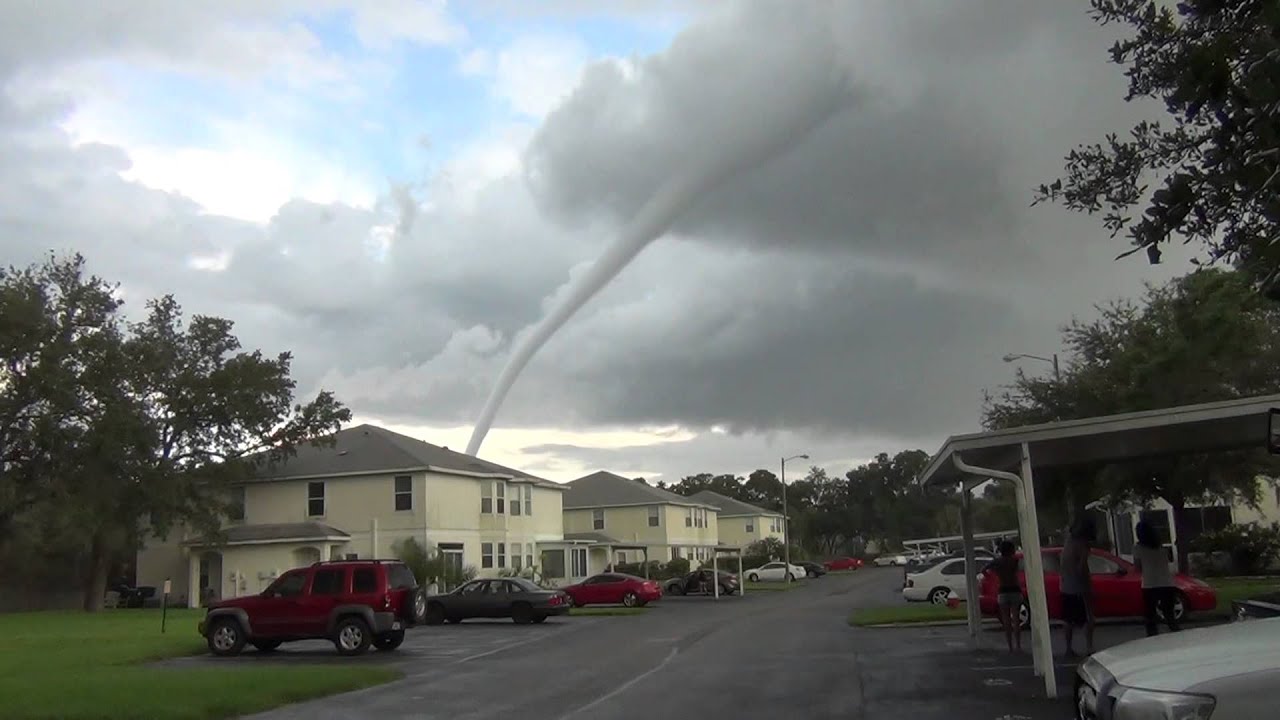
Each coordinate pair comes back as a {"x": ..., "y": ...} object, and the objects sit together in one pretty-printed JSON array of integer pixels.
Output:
[
  {"x": 352, "y": 636},
  {"x": 226, "y": 637},
  {"x": 390, "y": 641}
]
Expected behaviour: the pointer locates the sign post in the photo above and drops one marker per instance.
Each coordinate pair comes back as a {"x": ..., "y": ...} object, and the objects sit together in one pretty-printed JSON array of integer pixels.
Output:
[{"x": 164, "y": 603}]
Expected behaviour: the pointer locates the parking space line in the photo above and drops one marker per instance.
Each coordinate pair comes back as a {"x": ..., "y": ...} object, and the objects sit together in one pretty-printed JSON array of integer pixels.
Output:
[{"x": 625, "y": 686}]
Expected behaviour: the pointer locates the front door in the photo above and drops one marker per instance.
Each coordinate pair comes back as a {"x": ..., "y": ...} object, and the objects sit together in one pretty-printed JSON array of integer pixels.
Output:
[
  {"x": 451, "y": 554},
  {"x": 279, "y": 604},
  {"x": 315, "y": 605}
]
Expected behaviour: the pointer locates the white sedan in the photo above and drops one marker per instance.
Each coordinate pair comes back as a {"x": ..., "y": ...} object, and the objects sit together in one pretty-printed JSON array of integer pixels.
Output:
[
  {"x": 1229, "y": 672},
  {"x": 888, "y": 560},
  {"x": 936, "y": 583},
  {"x": 775, "y": 572}
]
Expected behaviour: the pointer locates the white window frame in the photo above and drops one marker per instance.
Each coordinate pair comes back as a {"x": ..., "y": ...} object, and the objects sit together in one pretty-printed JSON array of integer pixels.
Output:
[
  {"x": 517, "y": 506},
  {"x": 486, "y": 497},
  {"x": 577, "y": 562},
  {"x": 502, "y": 555},
  {"x": 751, "y": 526},
  {"x": 597, "y": 519},
  {"x": 655, "y": 516},
  {"x": 396, "y": 493},
  {"x": 688, "y": 517},
  {"x": 528, "y": 555},
  {"x": 486, "y": 555},
  {"x": 323, "y": 498},
  {"x": 528, "y": 500},
  {"x": 500, "y": 502},
  {"x": 517, "y": 555}
]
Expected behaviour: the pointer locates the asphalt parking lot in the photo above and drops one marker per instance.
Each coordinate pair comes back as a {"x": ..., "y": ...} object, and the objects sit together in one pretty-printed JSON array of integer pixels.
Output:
[{"x": 766, "y": 655}]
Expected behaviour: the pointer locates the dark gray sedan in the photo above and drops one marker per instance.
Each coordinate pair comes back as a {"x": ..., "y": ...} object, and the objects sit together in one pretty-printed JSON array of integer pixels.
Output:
[{"x": 515, "y": 598}]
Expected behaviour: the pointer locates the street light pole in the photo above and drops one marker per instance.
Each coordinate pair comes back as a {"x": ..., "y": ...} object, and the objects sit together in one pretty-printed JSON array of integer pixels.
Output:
[
  {"x": 786, "y": 518},
  {"x": 1057, "y": 373}
]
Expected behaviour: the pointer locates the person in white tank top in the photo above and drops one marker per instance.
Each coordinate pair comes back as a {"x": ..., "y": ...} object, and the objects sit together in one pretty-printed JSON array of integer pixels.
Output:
[{"x": 1159, "y": 593}]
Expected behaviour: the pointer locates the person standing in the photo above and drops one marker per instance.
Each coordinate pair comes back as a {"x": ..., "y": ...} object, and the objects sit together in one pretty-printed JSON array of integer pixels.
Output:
[
  {"x": 1009, "y": 595},
  {"x": 1076, "y": 586},
  {"x": 1158, "y": 590}
]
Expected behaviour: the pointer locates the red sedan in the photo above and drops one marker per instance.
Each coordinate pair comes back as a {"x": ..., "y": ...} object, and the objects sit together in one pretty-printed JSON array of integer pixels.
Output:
[
  {"x": 614, "y": 589},
  {"x": 1117, "y": 588},
  {"x": 843, "y": 563}
]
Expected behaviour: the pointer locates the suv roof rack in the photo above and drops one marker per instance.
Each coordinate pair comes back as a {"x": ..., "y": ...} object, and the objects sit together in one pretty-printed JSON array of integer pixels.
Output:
[{"x": 356, "y": 560}]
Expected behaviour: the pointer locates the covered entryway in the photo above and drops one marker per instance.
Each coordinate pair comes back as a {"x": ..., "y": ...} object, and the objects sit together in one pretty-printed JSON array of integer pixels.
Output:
[{"x": 1014, "y": 455}]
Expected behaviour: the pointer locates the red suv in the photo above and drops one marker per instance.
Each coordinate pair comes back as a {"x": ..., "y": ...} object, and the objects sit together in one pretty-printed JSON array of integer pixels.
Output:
[{"x": 354, "y": 603}]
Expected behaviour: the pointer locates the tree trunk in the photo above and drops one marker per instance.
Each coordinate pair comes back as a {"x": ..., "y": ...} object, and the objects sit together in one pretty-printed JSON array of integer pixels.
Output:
[
  {"x": 95, "y": 578},
  {"x": 1179, "y": 506}
]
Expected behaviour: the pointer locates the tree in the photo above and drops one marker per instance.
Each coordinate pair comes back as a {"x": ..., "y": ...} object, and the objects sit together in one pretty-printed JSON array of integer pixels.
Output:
[
  {"x": 149, "y": 424},
  {"x": 1200, "y": 338},
  {"x": 889, "y": 502},
  {"x": 1214, "y": 64}
]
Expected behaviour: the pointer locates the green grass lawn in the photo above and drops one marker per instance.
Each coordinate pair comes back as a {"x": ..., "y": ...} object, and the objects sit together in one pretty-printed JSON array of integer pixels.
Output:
[
  {"x": 75, "y": 665},
  {"x": 608, "y": 610},
  {"x": 1239, "y": 589},
  {"x": 914, "y": 613}
]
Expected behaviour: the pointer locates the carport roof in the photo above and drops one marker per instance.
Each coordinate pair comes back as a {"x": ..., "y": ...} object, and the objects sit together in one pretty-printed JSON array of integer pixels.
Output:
[{"x": 1208, "y": 427}]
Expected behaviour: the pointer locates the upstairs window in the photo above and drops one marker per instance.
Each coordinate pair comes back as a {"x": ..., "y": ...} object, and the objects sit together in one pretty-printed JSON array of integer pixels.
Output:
[
  {"x": 235, "y": 511},
  {"x": 404, "y": 492},
  {"x": 486, "y": 497},
  {"x": 750, "y": 526},
  {"x": 597, "y": 519},
  {"x": 315, "y": 499},
  {"x": 516, "y": 504},
  {"x": 654, "y": 516},
  {"x": 528, "y": 499},
  {"x": 688, "y": 517},
  {"x": 501, "y": 487}
]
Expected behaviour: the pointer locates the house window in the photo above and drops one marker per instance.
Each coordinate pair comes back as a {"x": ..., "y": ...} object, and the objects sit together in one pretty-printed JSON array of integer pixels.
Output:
[
  {"x": 688, "y": 517},
  {"x": 502, "y": 555},
  {"x": 236, "y": 510},
  {"x": 579, "y": 561},
  {"x": 528, "y": 499},
  {"x": 517, "y": 551},
  {"x": 404, "y": 492},
  {"x": 486, "y": 497},
  {"x": 699, "y": 517},
  {"x": 553, "y": 563},
  {"x": 750, "y": 526},
  {"x": 486, "y": 555},
  {"x": 502, "y": 497},
  {"x": 597, "y": 519},
  {"x": 675, "y": 553},
  {"x": 315, "y": 499},
  {"x": 515, "y": 500},
  {"x": 528, "y": 556},
  {"x": 654, "y": 515}
]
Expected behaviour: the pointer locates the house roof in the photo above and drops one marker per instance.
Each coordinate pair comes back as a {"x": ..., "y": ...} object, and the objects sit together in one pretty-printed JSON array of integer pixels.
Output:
[
  {"x": 730, "y": 507},
  {"x": 592, "y": 536},
  {"x": 276, "y": 532},
  {"x": 605, "y": 489},
  {"x": 367, "y": 449}
]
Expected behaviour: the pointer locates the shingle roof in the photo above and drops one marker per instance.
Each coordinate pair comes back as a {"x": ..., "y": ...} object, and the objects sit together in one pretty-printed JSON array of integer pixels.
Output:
[
  {"x": 592, "y": 536},
  {"x": 730, "y": 507},
  {"x": 369, "y": 448},
  {"x": 268, "y": 532},
  {"x": 604, "y": 489}
]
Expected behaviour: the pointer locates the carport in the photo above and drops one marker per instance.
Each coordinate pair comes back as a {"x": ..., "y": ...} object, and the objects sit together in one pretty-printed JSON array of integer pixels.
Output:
[
  {"x": 715, "y": 568},
  {"x": 1014, "y": 455}
]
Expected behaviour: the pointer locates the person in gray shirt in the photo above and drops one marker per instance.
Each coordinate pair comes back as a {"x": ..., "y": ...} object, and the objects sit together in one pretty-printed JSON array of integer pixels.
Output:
[
  {"x": 1158, "y": 589},
  {"x": 1076, "y": 585}
]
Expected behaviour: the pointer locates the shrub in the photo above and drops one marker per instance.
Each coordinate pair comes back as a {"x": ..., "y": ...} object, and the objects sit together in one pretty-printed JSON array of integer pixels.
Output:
[
  {"x": 428, "y": 566},
  {"x": 1252, "y": 546}
]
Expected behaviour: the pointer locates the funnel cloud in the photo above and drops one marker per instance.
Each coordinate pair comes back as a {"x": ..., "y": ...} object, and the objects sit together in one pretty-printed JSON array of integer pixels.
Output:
[{"x": 808, "y": 97}]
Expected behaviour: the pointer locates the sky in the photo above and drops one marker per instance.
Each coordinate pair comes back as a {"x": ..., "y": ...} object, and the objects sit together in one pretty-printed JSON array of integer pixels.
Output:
[{"x": 397, "y": 190}]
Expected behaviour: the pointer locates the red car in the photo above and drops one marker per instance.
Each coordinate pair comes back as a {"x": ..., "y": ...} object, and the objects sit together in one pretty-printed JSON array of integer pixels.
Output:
[
  {"x": 1117, "y": 588},
  {"x": 614, "y": 589},
  {"x": 843, "y": 563}
]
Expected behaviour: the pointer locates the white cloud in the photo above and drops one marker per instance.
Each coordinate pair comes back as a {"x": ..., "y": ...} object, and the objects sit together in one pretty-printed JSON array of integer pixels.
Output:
[{"x": 533, "y": 74}]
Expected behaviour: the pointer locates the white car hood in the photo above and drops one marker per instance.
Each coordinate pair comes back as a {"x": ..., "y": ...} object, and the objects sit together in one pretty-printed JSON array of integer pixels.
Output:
[{"x": 1177, "y": 662}]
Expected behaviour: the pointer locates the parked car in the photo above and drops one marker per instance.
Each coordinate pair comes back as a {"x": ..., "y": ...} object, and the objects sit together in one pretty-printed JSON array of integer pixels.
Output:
[
  {"x": 614, "y": 589},
  {"x": 936, "y": 583},
  {"x": 698, "y": 582},
  {"x": 516, "y": 598},
  {"x": 776, "y": 572},
  {"x": 888, "y": 560},
  {"x": 356, "y": 604},
  {"x": 1258, "y": 607},
  {"x": 812, "y": 569},
  {"x": 843, "y": 563},
  {"x": 1117, "y": 588},
  {"x": 1228, "y": 671}
]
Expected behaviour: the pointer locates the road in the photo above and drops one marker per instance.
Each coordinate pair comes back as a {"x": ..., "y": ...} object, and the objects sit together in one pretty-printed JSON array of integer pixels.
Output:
[{"x": 768, "y": 655}]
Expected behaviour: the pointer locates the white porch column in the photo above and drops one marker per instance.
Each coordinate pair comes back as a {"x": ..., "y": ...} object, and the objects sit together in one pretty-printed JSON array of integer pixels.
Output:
[
  {"x": 715, "y": 574},
  {"x": 971, "y": 601},
  {"x": 193, "y": 578},
  {"x": 373, "y": 539},
  {"x": 742, "y": 581},
  {"x": 1035, "y": 578}
]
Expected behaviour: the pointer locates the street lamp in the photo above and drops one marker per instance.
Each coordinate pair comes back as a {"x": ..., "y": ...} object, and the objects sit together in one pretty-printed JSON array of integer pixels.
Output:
[
  {"x": 1057, "y": 375},
  {"x": 786, "y": 520}
]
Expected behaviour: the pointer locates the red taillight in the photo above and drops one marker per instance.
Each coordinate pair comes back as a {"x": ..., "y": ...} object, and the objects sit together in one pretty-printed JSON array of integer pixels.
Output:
[{"x": 556, "y": 600}]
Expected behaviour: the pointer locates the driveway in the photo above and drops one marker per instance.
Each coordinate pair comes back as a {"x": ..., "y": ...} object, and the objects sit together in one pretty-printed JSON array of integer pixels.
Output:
[{"x": 766, "y": 655}]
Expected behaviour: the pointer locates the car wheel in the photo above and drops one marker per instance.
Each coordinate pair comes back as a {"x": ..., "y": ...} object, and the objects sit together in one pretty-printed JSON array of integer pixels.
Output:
[
  {"x": 631, "y": 599},
  {"x": 522, "y": 614},
  {"x": 539, "y": 619},
  {"x": 753, "y": 577},
  {"x": 435, "y": 614},
  {"x": 1179, "y": 607},
  {"x": 812, "y": 573},
  {"x": 938, "y": 596},
  {"x": 226, "y": 637},
  {"x": 266, "y": 645},
  {"x": 390, "y": 641},
  {"x": 419, "y": 606},
  {"x": 352, "y": 636},
  {"x": 1024, "y": 614},
  {"x": 675, "y": 590},
  {"x": 725, "y": 591}
]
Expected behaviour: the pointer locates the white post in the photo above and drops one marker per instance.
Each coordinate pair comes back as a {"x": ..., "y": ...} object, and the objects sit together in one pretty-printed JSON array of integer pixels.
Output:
[
  {"x": 373, "y": 538},
  {"x": 970, "y": 562},
  {"x": 193, "y": 577},
  {"x": 715, "y": 573},
  {"x": 742, "y": 581},
  {"x": 1035, "y": 577}
]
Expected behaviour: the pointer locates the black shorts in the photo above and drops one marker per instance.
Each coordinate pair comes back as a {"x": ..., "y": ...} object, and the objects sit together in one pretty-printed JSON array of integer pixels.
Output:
[{"x": 1075, "y": 610}]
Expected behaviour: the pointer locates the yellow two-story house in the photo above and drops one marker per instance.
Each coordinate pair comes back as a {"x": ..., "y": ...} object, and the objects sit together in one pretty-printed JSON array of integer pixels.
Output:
[
  {"x": 616, "y": 520},
  {"x": 741, "y": 523},
  {"x": 358, "y": 499}
]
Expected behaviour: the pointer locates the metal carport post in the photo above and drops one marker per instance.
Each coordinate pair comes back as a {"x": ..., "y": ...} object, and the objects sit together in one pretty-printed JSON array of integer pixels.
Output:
[{"x": 715, "y": 569}]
